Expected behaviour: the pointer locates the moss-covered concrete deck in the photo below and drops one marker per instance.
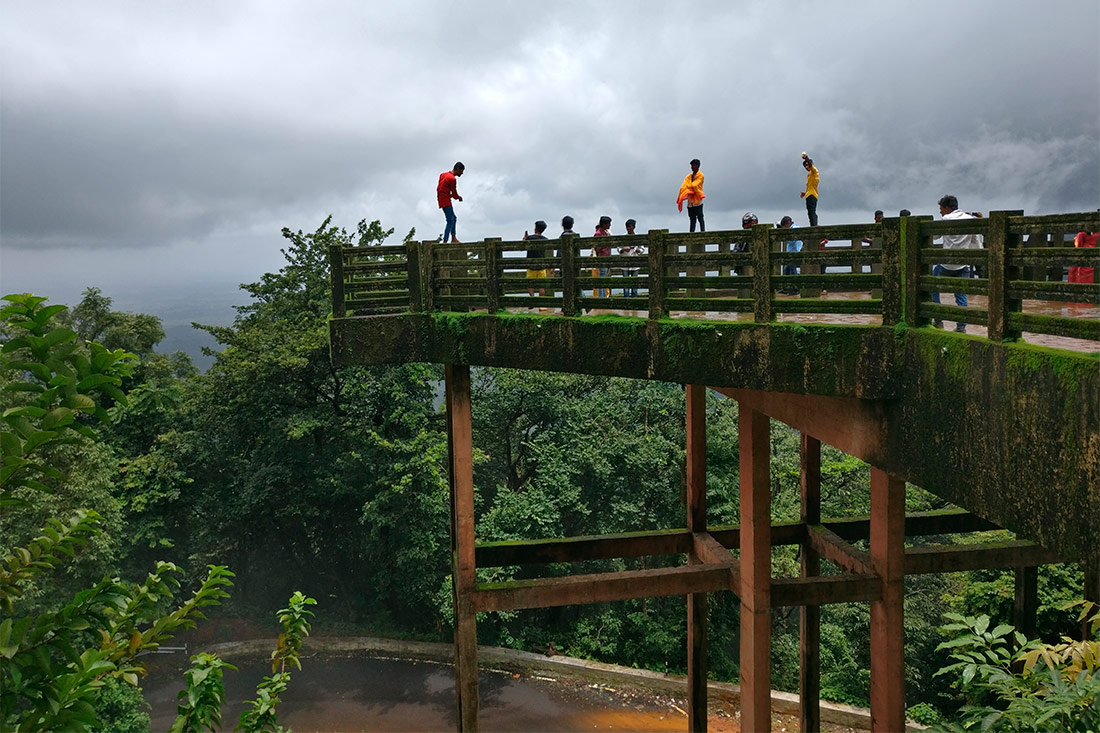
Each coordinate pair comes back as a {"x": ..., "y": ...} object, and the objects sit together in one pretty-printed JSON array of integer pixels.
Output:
[{"x": 1008, "y": 431}]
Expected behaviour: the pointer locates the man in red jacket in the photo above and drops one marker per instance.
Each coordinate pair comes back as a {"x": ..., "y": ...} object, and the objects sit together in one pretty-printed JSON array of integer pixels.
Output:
[{"x": 445, "y": 191}]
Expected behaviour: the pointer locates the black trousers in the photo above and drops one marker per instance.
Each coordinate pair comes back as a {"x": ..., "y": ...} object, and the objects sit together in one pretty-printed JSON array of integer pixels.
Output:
[
  {"x": 811, "y": 209},
  {"x": 695, "y": 213}
]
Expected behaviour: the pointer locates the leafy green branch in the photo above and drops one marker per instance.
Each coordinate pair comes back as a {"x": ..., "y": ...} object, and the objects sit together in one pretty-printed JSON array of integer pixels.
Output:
[
  {"x": 1012, "y": 683},
  {"x": 52, "y": 382}
]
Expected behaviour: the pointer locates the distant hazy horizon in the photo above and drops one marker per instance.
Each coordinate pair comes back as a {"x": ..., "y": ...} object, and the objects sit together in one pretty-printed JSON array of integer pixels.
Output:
[{"x": 176, "y": 304}]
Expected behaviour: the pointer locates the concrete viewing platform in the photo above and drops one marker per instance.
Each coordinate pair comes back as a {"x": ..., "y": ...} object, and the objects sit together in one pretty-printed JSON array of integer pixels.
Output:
[{"x": 1007, "y": 430}]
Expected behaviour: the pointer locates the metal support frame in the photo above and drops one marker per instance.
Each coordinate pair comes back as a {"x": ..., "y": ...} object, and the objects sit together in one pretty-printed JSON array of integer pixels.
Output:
[
  {"x": 463, "y": 580},
  {"x": 697, "y": 523},
  {"x": 809, "y": 624},
  {"x": 754, "y": 431},
  {"x": 875, "y": 576}
]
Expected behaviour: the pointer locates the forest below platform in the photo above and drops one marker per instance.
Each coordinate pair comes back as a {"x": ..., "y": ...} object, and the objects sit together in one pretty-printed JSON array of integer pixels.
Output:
[{"x": 332, "y": 481}]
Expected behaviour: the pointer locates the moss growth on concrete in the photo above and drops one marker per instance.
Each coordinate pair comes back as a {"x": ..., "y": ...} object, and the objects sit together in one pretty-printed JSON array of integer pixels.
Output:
[{"x": 1007, "y": 430}]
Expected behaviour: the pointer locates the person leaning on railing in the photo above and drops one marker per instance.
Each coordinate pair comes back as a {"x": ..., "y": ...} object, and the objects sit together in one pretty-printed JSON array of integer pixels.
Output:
[{"x": 949, "y": 210}]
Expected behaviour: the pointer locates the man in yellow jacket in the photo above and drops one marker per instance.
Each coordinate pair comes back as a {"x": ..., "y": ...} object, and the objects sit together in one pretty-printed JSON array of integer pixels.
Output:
[{"x": 691, "y": 190}]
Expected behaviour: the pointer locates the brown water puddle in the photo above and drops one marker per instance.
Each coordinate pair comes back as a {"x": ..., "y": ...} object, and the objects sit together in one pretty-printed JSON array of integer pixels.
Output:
[{"x": 359, "y": 693}]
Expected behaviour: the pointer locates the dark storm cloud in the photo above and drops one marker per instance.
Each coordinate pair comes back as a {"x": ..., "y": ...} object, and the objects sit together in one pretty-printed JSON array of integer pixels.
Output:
[{"x": 143, "y": 125}]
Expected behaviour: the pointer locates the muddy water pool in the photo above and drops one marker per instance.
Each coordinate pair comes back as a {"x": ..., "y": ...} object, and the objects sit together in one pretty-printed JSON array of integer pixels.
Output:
[{"x": 362, "y": 693}]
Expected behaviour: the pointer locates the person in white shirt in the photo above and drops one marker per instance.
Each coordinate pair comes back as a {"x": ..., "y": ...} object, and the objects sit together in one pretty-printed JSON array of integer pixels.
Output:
[{"x": 949, "y": 209}]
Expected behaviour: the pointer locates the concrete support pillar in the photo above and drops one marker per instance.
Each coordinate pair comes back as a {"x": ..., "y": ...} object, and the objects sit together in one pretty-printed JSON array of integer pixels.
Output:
[
  {"x": 755, "y": 453},
  {"x": 1091, "y": 592},
  {"x": 1026, "y": 602},
  {"x": 460, "y": 451},
  {"x": 809, "y": 686},
  {"x": 697, "y": 522},
  {"x": 887, "y": 614}
]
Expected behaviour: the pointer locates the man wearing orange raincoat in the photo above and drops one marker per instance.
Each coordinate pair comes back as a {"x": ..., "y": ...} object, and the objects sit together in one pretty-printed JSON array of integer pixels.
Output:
[{"x": 691, "y": 190}]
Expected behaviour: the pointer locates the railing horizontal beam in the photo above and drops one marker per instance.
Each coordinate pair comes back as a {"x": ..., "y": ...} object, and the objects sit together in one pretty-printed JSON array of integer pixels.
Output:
[
  {"x": 472, "y": 274},
  {"x": 1069, "y": 327},
  {"x": 954, "y": 313},
  {"x": 970, "y": 286}
]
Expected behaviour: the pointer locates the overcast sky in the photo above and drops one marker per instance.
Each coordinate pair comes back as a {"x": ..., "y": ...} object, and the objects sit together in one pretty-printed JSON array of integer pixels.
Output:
[{"x": 161, "y": 146}]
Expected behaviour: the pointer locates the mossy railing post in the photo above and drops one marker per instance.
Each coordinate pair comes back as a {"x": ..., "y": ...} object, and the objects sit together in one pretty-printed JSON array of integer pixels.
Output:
[
  {"x": 891, "y": 270},
  {"x": 336, "y": 265},
  {"x": 657, "y": 273},
  {"x": 811, "y": 244},
  {"x": 876, "y": 267},
  {"x": 569, "y": 275},
  {"x": 427, "y": 275},
  {"x": 412, "y": 276},
  {"x": 912, "y": 241},
  {"x": 492, "y": 274},
  {"x": 696, "y": 248},
  {"x": 1000, "y": 305},
  {"x": 762, "y": 294}
]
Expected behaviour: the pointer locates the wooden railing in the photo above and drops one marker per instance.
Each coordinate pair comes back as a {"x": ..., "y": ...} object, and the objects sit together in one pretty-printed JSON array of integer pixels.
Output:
[{"x": 885, "y": 270}]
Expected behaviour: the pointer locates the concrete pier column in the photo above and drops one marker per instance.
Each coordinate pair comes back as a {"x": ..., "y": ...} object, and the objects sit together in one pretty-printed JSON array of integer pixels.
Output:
[
  {"x": 1091, "y": 592},
  {"x": 697, "y": 522},
  {"x": 460, "y": 451},
  {"x": 887, "y": 613},
  {"x": 1025, "y": 604},
  {"x": 755, "y": 454},
  {"x": 809, "y": 686}
]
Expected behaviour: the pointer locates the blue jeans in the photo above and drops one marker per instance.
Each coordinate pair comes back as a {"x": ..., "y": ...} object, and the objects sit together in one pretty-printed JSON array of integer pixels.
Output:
[
  {"x": 602, "y": 292},
  {"x": 960, "y": 298},
  {"x": 630, "y": 291},
  {"x": 941, "y": 271},
  {"x": 449, "y": 231}
]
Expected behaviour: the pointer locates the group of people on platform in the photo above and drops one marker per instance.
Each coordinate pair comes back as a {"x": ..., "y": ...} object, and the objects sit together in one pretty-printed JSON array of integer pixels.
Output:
[{"x": 691, "y": 193}]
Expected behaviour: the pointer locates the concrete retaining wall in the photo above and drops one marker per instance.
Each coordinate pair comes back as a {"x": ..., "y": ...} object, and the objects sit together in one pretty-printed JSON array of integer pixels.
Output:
[{"x": 527, "y": 662}]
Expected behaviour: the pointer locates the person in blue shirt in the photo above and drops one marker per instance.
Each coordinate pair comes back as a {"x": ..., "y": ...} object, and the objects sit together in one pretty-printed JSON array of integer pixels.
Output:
[{"x": 792, "y": 245}]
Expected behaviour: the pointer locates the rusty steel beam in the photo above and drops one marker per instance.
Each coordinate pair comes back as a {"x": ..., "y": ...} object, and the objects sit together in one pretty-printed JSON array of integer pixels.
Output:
[
  {"x": 713, "y": 552},
  {"x": 599, "y": 587},
  {"x": 949, "y": 559},
  {"x": 782, "y": 533},
  {"x": 578, "y": 549},
  {"x": 754, "y": 445},
  {"x": 463, "y": 569},
  {"x": 825, "y": 589},
  {"x": 809, "y": 616},
  {"x": 696, "y": 485},
  {"x": 833, "y": 548},
  {"x": 1025, "y": 602},
  {"x": 857, "y": 427},
  {"x": 679, "y": 542},
  {"x": 888, "y": 613},
  {"x": 917, "y": 524}
]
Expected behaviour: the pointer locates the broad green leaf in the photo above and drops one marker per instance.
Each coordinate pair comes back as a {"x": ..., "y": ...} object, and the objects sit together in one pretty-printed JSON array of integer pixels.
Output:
[
  {"x": 24, "y": 411},
  {"x": 10, "y": 444},
  {"x": 57, "y": 418},
  {"x": 95, "y": 380}
]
